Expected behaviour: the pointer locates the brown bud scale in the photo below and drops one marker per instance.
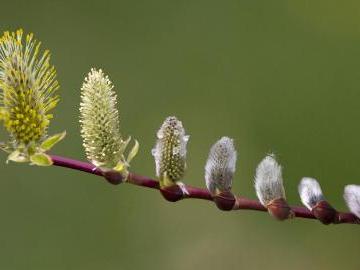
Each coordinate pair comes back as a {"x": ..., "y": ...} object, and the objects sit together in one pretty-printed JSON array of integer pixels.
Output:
[
  {"x": 113, "y": 177},
  {"x": 225, "y": 200},
  {"x": 280, "y": 209},
  {"x": 324, "y": 212},
  {"x": 172, "y": 193}
]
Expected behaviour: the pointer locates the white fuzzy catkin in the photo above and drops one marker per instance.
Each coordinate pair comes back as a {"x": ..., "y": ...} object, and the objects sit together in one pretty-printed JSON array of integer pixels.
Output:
[
  {"x": 310, "y": 192},
  {"x": 170, "y": 150},
  {"x": 220, "y": 166},
  {"x": 352, "y": 198},
  {"x": 268, "y": 180}
]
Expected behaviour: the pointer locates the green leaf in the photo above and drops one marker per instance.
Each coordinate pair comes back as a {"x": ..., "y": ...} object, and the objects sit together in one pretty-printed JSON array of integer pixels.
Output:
[
  {"x": 17, "y": 156},
  {"x": 133, "y": 152},
  {"x": 51, "y": 141},
  {"x": 124, "y": 144},
  {"x": 5, "y": 147},
  {"x": 120, "y": 167},
  {"x": 41, "y": 159}
]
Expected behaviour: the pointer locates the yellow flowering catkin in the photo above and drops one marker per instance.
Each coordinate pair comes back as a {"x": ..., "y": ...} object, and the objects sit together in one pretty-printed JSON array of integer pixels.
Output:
[
  {"x": 27, "y": 90},
  {"x": 27, "y": 86}
]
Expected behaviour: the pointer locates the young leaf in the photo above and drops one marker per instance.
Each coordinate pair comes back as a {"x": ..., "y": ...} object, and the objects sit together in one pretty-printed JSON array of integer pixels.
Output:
[
  {"x": 5, "y": 147},
  {"x": 124, "y": 144},
  {"x": 120, "y": 167},
  {"x": 133, "y": 152},
  {"x": 41, "y": 159},
  {"x": 17, "y": 156},
  {"x": 51, "y": 141}
]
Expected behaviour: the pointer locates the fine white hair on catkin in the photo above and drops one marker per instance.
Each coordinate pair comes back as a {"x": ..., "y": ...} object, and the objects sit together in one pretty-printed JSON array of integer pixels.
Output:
[
  {"x": 268, "y": 180},
  {"x": 220, "y": 166},
  {"x": 310, "y": 192},
  {"x": 352, "y": 198},
  {"x": 170, "y": 149}
]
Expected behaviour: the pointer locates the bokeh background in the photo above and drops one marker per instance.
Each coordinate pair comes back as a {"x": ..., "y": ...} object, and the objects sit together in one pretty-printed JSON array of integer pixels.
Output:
[{"x": 278, "y": 76}]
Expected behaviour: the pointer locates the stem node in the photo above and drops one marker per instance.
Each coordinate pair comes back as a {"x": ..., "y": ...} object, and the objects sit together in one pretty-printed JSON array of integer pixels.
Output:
[
  {"x": 113, "y": 177},
  {"x": 172, "y": 193},
  {"x": 225, "y": 201},
  {"x": 324, "y": 212},
  {"x": 280, "y": 209}
]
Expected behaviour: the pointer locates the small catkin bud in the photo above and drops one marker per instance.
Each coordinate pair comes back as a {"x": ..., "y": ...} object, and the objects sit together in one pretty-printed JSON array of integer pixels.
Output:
[
  {"x": 352, "y": 198},
  {"x": 310, "y": 192},
  {"x": 270, "y": 189},
  {"x": 220, "y": 166},
  {"x": 100, "y": 127},
  {"x": 312, "y": 197},
  {"x": 170, "y": 151},
  {"x": 268, "y": 180}
]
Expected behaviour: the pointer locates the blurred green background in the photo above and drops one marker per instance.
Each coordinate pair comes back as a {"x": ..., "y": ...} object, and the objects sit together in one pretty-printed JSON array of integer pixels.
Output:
[{"x": 278, "y": 76}]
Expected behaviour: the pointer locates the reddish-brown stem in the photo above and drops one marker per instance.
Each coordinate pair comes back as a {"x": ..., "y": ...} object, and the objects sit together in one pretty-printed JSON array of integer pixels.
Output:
[{"x": 241, "y": 203}]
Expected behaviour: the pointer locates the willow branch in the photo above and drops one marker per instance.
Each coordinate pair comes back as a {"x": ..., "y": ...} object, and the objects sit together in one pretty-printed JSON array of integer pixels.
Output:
[{"x": 190, "y": 192}]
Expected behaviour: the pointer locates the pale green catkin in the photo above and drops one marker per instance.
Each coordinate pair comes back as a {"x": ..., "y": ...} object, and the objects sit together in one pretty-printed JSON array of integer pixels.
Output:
[
  {"x": 170, "y": 151},
  {"x": 99, "y": 120}
]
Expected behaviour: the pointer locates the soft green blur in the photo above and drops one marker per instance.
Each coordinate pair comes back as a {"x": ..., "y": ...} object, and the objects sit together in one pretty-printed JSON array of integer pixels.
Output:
[{"x": 277, "y": 76}]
